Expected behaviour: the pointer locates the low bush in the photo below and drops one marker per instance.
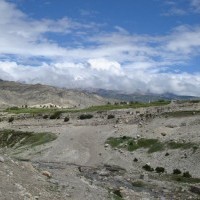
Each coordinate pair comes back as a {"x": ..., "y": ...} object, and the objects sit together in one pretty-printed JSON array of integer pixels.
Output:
[
  {"x": 148, "y": 168},
  {"x": 55, "y": 115},
  {"x": 11, "y": 119},
  {"x": 85, "y": 116},
  {"x": 177, "y": 171},
  {"x": 111, "y": 116},
  {"x": 45, "y": 117},
  {"x": 187, "y": 175},
  {"x": 160, "y": 169},
  {"x": 66, "y": 119}
]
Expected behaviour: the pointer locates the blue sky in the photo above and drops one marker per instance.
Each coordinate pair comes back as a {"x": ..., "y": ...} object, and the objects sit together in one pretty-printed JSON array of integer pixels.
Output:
[{"x": 127, "y": 45}]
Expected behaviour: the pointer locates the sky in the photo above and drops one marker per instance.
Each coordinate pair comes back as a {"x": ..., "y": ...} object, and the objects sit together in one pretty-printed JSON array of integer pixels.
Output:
[{"x": 127, "y": 45}]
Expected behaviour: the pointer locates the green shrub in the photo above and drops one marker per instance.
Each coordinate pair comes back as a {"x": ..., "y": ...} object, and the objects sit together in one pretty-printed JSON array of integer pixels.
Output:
[
  {"x": 66, "y": 119},
  {"x": 148, "y": 168},
  {"x": 138, "y": 184},
  {"x": 160, "y": 169},
  {"x": 45, "y": 117},
  {"x": 85, "y": 116},
  {"x": 177, "y": 171},
  {"x": 187, "y": 175},
  {"x": 55, "y": 115},
  {"x": 111, "y": 116},
  {"x": 11, "y": 119}
]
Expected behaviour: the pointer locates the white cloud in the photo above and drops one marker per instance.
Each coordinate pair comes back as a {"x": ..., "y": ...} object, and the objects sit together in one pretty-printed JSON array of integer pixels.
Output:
[
  {"x": 196, "y": 5},
  {"x": 111, "y": 60}
]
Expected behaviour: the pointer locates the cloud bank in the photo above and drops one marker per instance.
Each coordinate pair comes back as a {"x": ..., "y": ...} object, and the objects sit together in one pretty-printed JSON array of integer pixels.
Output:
[{"x": 93, "y": 58}]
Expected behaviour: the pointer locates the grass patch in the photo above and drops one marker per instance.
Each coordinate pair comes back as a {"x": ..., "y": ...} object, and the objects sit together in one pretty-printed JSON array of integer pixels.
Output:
[
  {"x": 184, "y": 179},
  {"x": 153, "y": 145},
  {"x": 56, "y": 115},
  {"x": 185, "y": 113},
  {"x": 138, "y": 183},
  {"x": 178, "y": 145},
  {"x": 16, "y": 139},
  {"x": 85, "y": 116},
  {"x": 116, "y": 142},
  {"x": 106, "y": 107},
  {"x": 158, "y": 146},
  {"x": 132, "y": 144}
]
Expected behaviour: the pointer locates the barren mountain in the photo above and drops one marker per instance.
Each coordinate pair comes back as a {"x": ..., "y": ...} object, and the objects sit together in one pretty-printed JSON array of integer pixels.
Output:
[{"x": 18, "y": 94}]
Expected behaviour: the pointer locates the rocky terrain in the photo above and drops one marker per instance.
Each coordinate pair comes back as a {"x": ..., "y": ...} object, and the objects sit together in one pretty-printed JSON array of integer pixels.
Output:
[
  {"x": 18, "y": 94},
  {"x": 143, "y": 153}
]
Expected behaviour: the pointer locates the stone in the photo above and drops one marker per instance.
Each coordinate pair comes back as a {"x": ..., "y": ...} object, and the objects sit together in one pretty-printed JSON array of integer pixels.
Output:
[
  {"x": 106, "y": 145},
  {"x": 163, "y": 134},
  {"x": 47, "y": 174},
  {"x": 144, "y": 177},
  {"x": 2, "y": 159},
  {"x": 195, "y": 189}
]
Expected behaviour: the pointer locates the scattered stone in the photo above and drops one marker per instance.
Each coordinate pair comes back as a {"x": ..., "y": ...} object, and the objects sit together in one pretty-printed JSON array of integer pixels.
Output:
[
  {"x": 2, "y": 159},
  {"x": 106, "y": 145},
  {"x": 167, "y": 154},
  {"x": 144, "y": 177},
  {"x": 138, "y": 136},
  {"x": 47, "y": 174},
  {"x": 120, "y": 151},
  {"x": 163, "y": 134}
]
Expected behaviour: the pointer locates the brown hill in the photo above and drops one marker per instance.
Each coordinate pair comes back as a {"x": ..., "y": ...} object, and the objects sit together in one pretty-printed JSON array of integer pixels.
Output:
[{"x": 19, "y": 94}]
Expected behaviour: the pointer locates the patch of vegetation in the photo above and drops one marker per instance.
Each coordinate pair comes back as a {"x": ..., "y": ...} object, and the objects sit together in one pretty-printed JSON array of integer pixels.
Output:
[
  {"x": 45, "y": 116},
  {"x": 187, "y": 174},
  {"x": 111, "y": 116},
  {"x": 138, "y": 183},
  {"x": 132, "y": 144},
  {"x": 106, "y": 107},
  {"x": 177, "y": 171},
  {"x": 85, "y": 116},
  {"x": 15, "y": 139},
  {"x": 185, "y": 113},
  {"x": 160, "y": 169},
  {"x": 148, "y": 168},
  {"x": 17, "y": 110},
  {"x": 117, "y": 195},
  {"x": 11, "y": 119},
  {"x": 185, "y": 179},
  {"x": 116, "y": 142},
  {"x": 66, "y": 119},
  {"x": 180, "y": 145},
  {"x": 56, "y": 115},
  {"x": 158, "y": 146},
  {"x": 153, "y": 145}
]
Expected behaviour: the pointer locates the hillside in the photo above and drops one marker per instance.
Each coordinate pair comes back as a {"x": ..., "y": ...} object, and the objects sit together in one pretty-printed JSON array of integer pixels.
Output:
[
  {"x": 138, "y": 96},
  {"x": 19, "y": 94}
]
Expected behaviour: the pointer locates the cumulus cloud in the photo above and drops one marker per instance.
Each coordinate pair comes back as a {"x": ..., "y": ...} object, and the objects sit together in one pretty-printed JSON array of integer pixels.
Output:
[{"x": 111, "y": 60}]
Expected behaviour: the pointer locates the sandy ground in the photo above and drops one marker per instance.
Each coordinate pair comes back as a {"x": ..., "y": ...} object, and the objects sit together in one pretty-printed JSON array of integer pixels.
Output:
[{"x": 81, "y": 143}]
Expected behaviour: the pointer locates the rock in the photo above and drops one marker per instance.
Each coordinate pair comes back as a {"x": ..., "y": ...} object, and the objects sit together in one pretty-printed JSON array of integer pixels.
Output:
[
  {"x": 138, "y": 136},
  {"x": 144, "y": 177},
  {"x": 67, "y": 195},
  {"x": 195, "y": 189},
  {"x": 135, "y": 160},
  {"x": 106, "y": 145},
  {"x": 2, "y": 159},
  {"x": 28, "y": 195},
  {"x": 47, "y": 174},
  {"x": 163, "y": 134},
  {"x": 104, "y": 173}
]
